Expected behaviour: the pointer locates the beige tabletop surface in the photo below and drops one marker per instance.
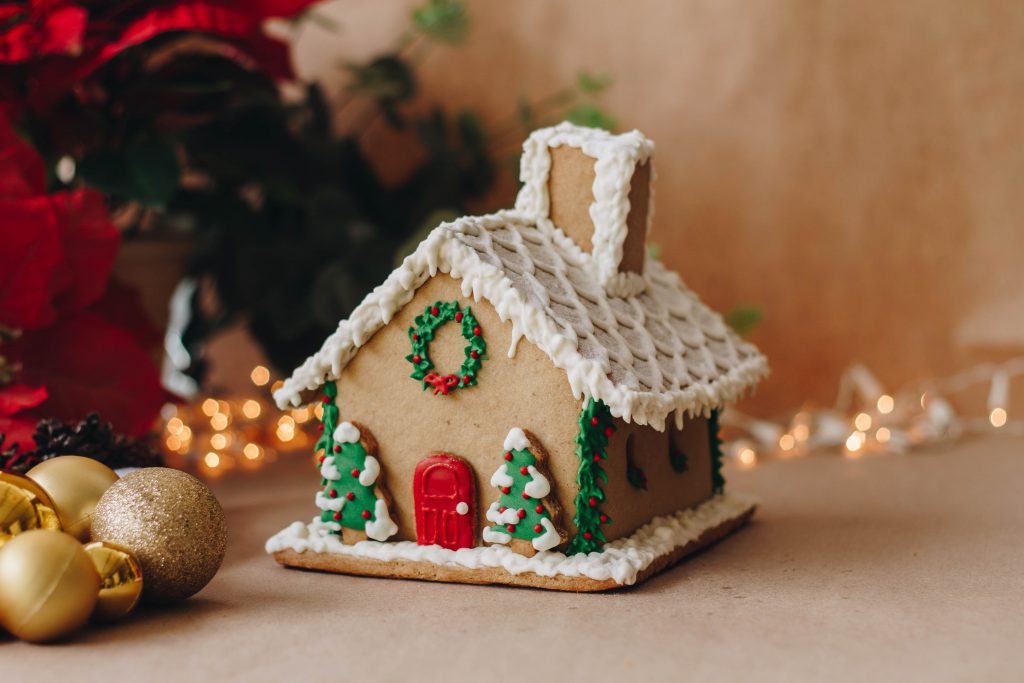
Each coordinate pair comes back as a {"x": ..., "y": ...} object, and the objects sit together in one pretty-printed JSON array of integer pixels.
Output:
[{"x": 899, "y": 567}]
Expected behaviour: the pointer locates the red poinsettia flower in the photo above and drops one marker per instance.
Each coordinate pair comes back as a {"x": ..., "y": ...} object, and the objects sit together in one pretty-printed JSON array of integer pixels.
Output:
[
  {"x": 17, "y": 429},
  {"x": 40, "y": 28}
]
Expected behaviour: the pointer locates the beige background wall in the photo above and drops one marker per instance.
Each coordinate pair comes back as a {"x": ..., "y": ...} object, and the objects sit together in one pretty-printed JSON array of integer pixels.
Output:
[{"x": 855, "y": 168}]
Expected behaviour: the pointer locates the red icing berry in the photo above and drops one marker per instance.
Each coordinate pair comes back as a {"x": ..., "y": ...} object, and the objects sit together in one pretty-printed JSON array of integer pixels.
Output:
[
  {"x": 508, "y": 455},
  {"x": 502, "y": 508},
  {"x": 434, "y": 310},
  {"x": 593, "y": 421},
  {"x": 320, "y": 459},
  {"x": 592, "y": 501},
  {"x": 511, "y": 528},
  {"x": 458, "y": 317},
  {"x": 587, "y": 535},
  {"x": 337, "y": 516},
  {"x": 366, "y": 514},
  {"x": 608, "y": 431},
  {"x": 604, "y": 519},
  {"x": 466, "y": 379},
  {"x": 350, "y": 495},
  {"x": 320, "y": 428},
  {"x": 476, "y": 331},
  {"x": 526, "y": 496},
  {"x": 325, "y": 399},
  {"x": 333, "y": 493},
  {"x": 597, "y": 458},
  {"x": 416, "y": 358},
  {"x": 524, "y": 470},
  {"x": 474, "y": 354},
  {"x": 538, "y": 528},
  {"x": 415, "y": 337},
  {"x": 355, "y": 472},
  {"x": 522, "y": 513},
  {"x": 539, "y": 509},
  {"x": 337, "y": 449},
  {"x": 505, "y": 489}
]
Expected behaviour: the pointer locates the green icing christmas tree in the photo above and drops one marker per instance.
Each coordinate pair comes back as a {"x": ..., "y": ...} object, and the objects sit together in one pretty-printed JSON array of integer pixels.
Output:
[
  {"x": 595, "y": 428},
  {"x": 522, "y": 510},
  {"x": 352, "y": 494}
]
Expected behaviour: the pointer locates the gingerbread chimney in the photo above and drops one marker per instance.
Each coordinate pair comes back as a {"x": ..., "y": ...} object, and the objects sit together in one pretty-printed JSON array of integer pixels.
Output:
[{"x": 596, "y": 188}]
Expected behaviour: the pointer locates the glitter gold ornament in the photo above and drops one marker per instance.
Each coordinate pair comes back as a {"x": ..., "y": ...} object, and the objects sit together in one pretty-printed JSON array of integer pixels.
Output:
[
  {"x": 173, "y": 525},
  {"x": 120, "y": 580},
  {"x": 75, "y": 485},
  {"x": 48, "y": 585},
  {"x": 23, "y": 506}
]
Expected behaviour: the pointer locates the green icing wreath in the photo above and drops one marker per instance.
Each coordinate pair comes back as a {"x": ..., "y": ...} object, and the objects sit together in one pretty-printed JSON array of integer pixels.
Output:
[{"x": 433, "y": 317}]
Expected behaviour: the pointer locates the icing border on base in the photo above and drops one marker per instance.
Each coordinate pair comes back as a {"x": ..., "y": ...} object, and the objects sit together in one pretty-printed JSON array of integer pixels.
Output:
[{"x": 621, "y": 560}]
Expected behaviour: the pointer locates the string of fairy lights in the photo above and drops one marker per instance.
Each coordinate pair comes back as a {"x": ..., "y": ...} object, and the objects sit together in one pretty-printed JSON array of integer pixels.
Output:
[{"x": 219, "y": 435}]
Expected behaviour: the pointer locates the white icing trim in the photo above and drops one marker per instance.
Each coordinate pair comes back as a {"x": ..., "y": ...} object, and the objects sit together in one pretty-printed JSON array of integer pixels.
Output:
[
  {"x": 346, "y": 433},
  {"x": 370, "y": 471},
  {"x": 508, "y": 516},
  {"x": 382, "y": 527},
  {"x": 489, "y": 534},
  {"x": 616, "y": 158},
  {"x": 328, "y": 469},
  {"x": 539, "y": 486},
  {"x": 549, "y": 539},
  {"x": 501, "y": 477},
  {"x": 327, "y": 503},
  {"x": 516, "y": 440},
  {"x": 621, "y": 560}
]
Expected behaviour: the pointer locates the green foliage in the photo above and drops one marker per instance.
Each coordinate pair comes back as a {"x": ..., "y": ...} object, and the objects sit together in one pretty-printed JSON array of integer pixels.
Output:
[
  {"x": 592, "y": 84},
  {"x": 329, "y": 422},
  {"x": 592, "y": 115},
  {"x": 146, "y": 172},
  {"x": 422, "y": 334},
  {"x": 595, "y": 428},
  {"x": 744, "y": 319},
  {"x": 445, "y": 21},
  {"x": 715, "y": 439}
]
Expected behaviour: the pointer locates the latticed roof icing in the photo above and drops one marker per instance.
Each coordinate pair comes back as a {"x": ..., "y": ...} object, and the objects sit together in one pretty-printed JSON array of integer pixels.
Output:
[{"x": 650, "y": 355}]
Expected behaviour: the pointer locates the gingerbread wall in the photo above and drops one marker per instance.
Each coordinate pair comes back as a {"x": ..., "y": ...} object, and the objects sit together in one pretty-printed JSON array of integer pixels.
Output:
[{"x": 525, "y": 391}]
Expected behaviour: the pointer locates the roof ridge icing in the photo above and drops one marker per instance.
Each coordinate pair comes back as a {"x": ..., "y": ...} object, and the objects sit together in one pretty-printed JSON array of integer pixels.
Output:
[{"x": 647, "y": 355}]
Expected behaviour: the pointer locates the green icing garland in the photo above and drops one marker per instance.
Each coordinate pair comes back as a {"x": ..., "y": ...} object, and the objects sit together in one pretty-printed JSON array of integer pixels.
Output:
[
  {"x": 422, "y": 334},
  {"x": 595, "y": 428},
  {"x": 329, "y": 422},
  {"x": 717, "y": 480}
]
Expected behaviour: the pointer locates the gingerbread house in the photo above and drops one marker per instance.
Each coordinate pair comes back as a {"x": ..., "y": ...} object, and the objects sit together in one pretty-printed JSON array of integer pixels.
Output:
[{"x": 531, "y": 398}]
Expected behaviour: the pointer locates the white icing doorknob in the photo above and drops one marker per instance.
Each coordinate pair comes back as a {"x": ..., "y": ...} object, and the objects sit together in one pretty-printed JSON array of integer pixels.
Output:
[{"x": 462, "y": 508}]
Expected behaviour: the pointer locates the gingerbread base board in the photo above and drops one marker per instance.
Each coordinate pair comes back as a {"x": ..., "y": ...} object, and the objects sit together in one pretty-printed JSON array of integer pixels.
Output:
[{"x": 652, "y": 548}]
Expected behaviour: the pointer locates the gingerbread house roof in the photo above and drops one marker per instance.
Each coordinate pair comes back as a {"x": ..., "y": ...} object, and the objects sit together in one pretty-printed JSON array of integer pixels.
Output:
[{"x": 647, "y": 355}]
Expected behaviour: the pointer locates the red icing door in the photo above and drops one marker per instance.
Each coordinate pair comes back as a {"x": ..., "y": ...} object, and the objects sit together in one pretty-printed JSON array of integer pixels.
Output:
[{"x": 445, "y": 495}]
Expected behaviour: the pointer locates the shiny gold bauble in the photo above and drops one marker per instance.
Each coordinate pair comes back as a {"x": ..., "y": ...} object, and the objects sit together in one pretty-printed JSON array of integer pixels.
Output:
[
  {"x": 23, "y": 506},
  {"x": 48, "y": 585},
  {"x": 75, "y": 485},
  {"x": 120, "y": 580},
  {"x": 173, "y": 525}
]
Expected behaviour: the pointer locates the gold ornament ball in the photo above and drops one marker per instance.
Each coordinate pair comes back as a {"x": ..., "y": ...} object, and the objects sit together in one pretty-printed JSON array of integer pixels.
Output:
[
  {"x": 75, "y": 485},
  {"x": 23, "y": 506},
  {"x": 120, "y": 580},
  {"x": 48, "y": 585},
  {"x": 173, "y": 525}
]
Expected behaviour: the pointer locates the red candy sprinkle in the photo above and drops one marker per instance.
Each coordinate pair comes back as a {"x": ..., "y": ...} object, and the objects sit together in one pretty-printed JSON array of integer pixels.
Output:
[
  {"x": 604, "y": 519},
  {"x": 505, "y": 489},
  {"x": 508, "y": 455},
  {"x": 350, "y": 495},
  {"x": 524, "y": 470},
  {"x": 587, "y": 535},
  {"x": 333, "y": 493},
  {"x": 320, "y": 459},
  {"x": 325, "y": 399},
  {"x": 415, "y": 337},
  {"x": 608, "y": 431},
  {"x": 337, "y": 516},
  {"x": 476, "y": 331},
  {"x": 593, "y": 421},
  {"x": 337, "y": 449},
  {"x": 592, "y": 501},
  {"x": 511, "y": 528},
  {"x": 355, "y": 472},
  {"x": 538, "y": 528},
  {"x": 539, "y": 509},
  {"x": 526, "y": 496},
  {"x": 416, "y": 358},
  {"x": 474, "y": 354},
  {"x": 458, "y": 317},
  {"x": 434, "y": 310},
  {"x": 502, "y": 508},
  {"x": 522, "y": 513},
  {"x": 597, "y": 458},
  {"x": 466, "y": 379},
  {"x": 366, "y": 514}
]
